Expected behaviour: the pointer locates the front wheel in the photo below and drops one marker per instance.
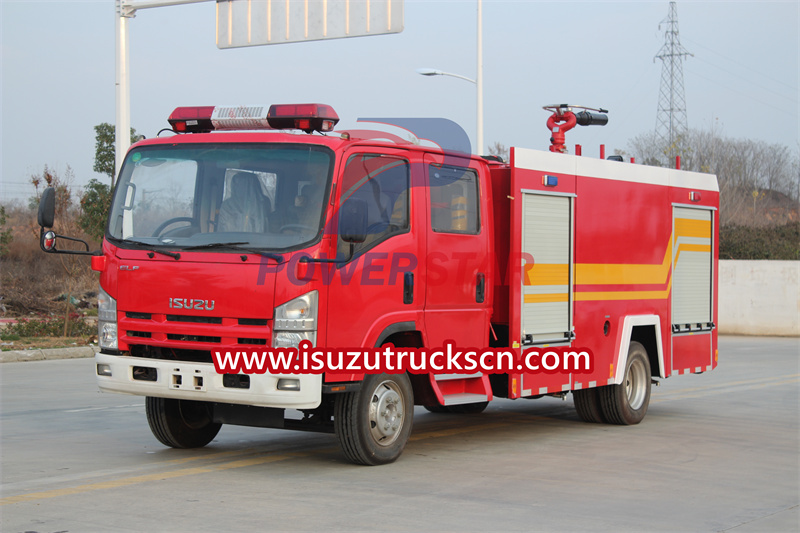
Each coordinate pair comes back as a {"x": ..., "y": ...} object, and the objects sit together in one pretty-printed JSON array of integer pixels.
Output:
[
  {"x": 373, "y": 424},
  {"x": 180, "y": 423},
  {"x": 627, "y": 402}
]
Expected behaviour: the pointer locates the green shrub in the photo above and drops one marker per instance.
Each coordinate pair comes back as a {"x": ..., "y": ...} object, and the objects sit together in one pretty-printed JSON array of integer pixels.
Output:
[
  {"x": 50, "y": 327},
  {"x": 772, "y": 242}
]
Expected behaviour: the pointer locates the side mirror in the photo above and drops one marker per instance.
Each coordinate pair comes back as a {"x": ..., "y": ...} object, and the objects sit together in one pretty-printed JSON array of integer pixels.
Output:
[
  {"x": 353, "y": 221},
  {"x": 47, "y": 208},
  {"x": 47, "y": 239}
]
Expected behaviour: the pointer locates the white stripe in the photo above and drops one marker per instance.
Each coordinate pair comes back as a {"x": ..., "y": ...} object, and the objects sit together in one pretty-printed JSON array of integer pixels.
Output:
[{"x": 612, "y": 170}]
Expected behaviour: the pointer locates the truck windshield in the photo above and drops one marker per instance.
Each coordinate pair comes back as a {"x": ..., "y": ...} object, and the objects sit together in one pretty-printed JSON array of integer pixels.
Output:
[{"x": 265, "y": 196}]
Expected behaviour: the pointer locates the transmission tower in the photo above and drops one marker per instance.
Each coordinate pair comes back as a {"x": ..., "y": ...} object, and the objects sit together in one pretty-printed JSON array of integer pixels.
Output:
[{"x": 671, "y": 123}]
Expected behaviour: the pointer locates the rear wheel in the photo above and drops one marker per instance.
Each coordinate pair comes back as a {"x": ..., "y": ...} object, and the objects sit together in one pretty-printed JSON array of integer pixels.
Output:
[
  {"x": 373, "y": 424},
  {"x": 181, "y": 423},
  {"x": 587, "y": 403},
  {"x": 627, "y": 402}
]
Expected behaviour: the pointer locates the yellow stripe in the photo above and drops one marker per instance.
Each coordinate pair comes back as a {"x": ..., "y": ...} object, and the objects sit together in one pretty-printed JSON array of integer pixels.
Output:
[
  {"x": 623, "y": 295},
  {"x": 239, "y": 463},
  {"x": 641, "y": 295},
  {"x": 545, "y": 298},
  {"x": 692, "y": 248},
  {"x": 686, "y": 227},
  {"x": 611, "y": 274},
  {"x": 618, "y": 274},
  {"x": 157, "y": 476},
  {"x": 541, "y": 274}
]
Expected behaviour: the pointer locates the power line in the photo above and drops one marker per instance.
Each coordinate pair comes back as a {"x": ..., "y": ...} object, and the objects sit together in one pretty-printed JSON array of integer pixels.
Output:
[
  {"x": 729, "y": 88},
  {"x": 743, "y": 65},
  {"x": 750, "y": 80}
]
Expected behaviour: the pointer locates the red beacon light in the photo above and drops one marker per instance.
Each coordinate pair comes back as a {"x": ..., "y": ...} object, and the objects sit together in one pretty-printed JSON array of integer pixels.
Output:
[
  {"x": 192, "y": 119},
  {"x": 305, "y": 117}
]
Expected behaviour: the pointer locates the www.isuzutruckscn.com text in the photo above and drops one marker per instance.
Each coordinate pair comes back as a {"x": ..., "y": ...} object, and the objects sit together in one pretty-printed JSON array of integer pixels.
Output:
[{"x": 389, "y": 359}]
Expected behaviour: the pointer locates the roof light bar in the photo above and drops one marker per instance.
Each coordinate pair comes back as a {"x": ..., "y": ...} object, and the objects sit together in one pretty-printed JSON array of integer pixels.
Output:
[
  {"x": 306, "y": 117},
  {"x": 191, "y": 119}
]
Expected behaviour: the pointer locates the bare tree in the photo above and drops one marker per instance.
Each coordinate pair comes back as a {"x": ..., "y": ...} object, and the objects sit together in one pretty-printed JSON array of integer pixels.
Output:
[
  {"x": 66, "y": 223},
  {"x": 742, "y": 166},
  {"x": 499, "y": 150}
]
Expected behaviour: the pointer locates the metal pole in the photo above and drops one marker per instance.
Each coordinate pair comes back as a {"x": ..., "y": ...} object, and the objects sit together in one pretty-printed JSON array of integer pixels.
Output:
[
  {"x": 122, "y": 134},
  {"x": 126, "y": 9},
  {"x": 479, "y": 82}
]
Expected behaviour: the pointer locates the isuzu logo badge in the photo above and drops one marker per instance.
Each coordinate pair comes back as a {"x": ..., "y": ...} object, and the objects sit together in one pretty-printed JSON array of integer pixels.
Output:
[{"x": 189, "y": 303}]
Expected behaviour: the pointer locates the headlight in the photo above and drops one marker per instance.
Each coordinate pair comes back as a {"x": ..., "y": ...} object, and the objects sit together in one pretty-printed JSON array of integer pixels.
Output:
[
  {"x": 106, "y": 320},
  {"x": 298, "y": 314},
  {"x": 296, "y": 320},
  {"x": 291, "y": 339}
]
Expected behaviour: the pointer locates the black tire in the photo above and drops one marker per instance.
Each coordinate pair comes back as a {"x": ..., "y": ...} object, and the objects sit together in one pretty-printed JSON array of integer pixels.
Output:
[
  {"x": 587, "y": 403},
  {"x": 180, "y": 423},
  {"x": 626, "y": 403},
  {"x": 373, "y": 424}
]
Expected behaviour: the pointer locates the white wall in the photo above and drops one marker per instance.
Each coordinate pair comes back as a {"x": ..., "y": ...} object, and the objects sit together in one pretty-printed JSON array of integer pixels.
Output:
[{"x": 759, "y": 297}]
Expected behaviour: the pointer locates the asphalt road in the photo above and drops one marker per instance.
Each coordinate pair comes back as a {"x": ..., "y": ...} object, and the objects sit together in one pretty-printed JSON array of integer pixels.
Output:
[{"x": 716, "y": 452}]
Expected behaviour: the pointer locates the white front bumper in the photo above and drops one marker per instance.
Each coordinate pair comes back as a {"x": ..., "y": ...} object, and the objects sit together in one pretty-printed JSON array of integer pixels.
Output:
[{"x": 200, "y": 381}]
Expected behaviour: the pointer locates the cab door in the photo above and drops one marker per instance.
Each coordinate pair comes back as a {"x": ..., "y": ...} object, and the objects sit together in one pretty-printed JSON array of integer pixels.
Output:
[
  {"x": 377, "y": 289},
  {"x": 457, "y": 294}
]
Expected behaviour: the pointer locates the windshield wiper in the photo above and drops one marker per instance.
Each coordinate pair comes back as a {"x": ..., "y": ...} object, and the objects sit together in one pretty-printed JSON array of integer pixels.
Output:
[
  {"x": 236, "y": 246},
  {"x": 214, "y": 245},
  {"x": 153, "y": 251}
]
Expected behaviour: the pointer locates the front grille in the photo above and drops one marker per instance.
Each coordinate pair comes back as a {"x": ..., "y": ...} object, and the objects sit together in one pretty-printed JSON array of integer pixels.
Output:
[
  {"x": 195, "y": 319},
  {"x": 171, "y": 354},
  {"x": 252, "y": 321},
  {"x": 258, "y": 342},
  {"x": 175, "y": 337},
  {"x": 193, "y": 338}
]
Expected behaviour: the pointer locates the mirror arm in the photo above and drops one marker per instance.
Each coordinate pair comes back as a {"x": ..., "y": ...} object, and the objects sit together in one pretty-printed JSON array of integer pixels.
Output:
[
  {"x": 69, "y": 252},
  {"x": 307, "y": 259}
]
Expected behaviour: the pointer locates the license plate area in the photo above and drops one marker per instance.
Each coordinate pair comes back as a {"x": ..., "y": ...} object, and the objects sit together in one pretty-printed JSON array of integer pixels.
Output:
[{"x": 187, "y": 380}]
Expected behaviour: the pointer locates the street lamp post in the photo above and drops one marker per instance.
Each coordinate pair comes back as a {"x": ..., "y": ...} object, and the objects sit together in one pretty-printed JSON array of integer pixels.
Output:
[
  {"x": 479, "y": 122},
  {"x": 478, "y": 81}
]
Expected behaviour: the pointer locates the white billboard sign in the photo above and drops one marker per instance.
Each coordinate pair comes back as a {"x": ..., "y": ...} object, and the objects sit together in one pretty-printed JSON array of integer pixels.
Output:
[{"x": 259, "y": 22}]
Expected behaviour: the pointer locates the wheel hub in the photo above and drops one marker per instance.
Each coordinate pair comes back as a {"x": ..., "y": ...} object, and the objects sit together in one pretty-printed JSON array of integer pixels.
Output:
[
  {"x": 386, "y": 413},
  {"x": 635, "y": 385}
]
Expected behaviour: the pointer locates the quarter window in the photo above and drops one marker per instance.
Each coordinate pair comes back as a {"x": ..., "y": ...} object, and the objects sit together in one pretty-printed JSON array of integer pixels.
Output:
[{"x": 454, "y": 200}]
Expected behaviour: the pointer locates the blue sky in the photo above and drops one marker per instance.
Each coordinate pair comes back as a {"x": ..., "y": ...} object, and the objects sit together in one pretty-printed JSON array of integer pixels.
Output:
[{"x": 58, "y": 72}]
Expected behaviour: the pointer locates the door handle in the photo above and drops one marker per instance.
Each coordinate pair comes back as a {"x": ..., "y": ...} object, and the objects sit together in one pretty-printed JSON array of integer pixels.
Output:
[
  {"x": 480, "y": 288},
  {"x": 408, "y": 287}
]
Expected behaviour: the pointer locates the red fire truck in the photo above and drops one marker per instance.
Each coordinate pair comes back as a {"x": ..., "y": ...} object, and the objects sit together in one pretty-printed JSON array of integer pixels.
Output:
[{"x": 248, "y": 240}]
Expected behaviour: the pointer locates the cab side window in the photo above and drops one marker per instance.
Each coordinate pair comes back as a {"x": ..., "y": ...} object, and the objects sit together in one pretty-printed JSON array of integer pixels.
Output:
[
  {"x": 454, "y": 200},
  {"x": 381, "y": 182}
]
